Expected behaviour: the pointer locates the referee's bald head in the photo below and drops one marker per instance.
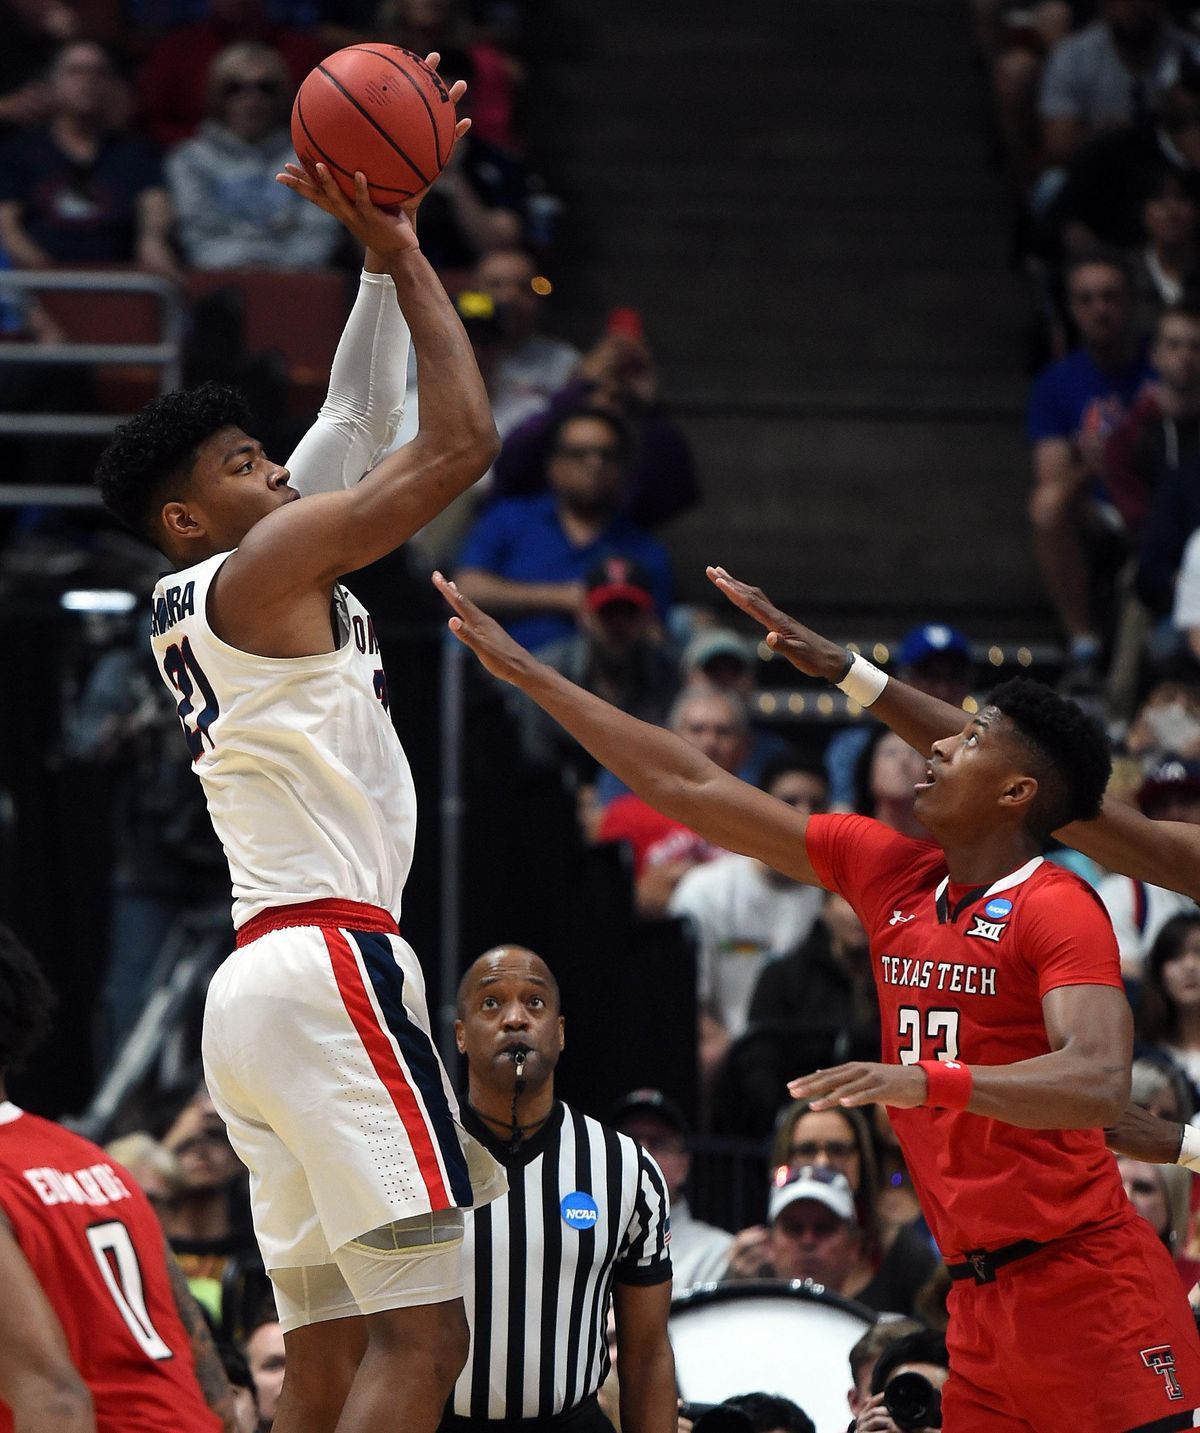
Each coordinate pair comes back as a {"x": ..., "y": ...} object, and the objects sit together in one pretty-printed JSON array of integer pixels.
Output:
[{"x": 507, "y": 960}]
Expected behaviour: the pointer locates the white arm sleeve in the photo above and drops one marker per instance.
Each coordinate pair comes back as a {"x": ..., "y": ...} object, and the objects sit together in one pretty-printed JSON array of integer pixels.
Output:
[{"x": 365, "y": 403}]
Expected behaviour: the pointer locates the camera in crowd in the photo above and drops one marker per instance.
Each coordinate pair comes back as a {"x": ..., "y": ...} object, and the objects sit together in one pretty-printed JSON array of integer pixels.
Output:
[{"x": 913, "y": 1402}]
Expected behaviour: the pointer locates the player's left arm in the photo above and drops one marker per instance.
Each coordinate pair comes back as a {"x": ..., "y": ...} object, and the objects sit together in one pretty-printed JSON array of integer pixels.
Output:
[
  {"x": 38, "y": 1381},
  {"x": 210, "y": 1371},
  {"x": 644, "y": 1357},
  {"x": 1083, "y": 1083}
]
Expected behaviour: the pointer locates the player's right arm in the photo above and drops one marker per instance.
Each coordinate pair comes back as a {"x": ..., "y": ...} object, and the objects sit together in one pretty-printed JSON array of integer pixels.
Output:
[
  {"x": 1162, "y": 853},
  {"x": 38, "y": 1381},
  {"x": 306, "y": 546},
  {"x": 662, "y": 769}
]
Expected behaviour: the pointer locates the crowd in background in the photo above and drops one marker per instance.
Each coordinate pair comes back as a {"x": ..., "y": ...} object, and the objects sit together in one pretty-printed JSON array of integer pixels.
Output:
[{"x": 151, "y": 138}]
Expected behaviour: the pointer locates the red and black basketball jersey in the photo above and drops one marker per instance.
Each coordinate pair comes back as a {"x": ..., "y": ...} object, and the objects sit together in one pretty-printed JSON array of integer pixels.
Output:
[
  {"x": 95, "y": 1244},
  {"x": 961, "y": 973}
]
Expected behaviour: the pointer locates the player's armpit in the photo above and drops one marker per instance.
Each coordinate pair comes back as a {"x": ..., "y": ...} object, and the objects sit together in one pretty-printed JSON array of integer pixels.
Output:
[
  {"x": 1162, "y": 853},
  {"x": 38, "y": 1381},
  {"x": 647, "y": 1365},
  {"x": 210, "y": 1372},
  {"x": 1140, "y": 1135}
]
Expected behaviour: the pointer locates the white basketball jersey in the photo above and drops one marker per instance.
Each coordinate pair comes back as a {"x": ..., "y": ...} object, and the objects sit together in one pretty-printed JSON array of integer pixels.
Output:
[{"x": 307, "y": 784}]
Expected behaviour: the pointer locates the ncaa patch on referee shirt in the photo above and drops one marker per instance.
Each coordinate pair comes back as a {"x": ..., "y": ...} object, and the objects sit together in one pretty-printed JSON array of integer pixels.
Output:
[{"x": 579, "y": 1210}]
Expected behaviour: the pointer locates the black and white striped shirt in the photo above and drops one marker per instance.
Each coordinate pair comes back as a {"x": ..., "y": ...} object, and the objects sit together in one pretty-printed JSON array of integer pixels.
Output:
[{"x": 586, "y": 1206}]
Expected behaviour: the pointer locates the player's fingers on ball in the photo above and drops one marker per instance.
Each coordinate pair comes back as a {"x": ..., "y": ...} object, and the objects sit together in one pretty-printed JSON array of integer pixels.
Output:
[
  {"x": 461, "y": 128},
  {"x": 433, "y": 59},
  {"x": 457, "y": 90}
]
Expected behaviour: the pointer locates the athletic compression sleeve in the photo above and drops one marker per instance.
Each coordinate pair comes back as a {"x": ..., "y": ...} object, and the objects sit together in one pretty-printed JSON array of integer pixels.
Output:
[{"x": 365, "y": 403}]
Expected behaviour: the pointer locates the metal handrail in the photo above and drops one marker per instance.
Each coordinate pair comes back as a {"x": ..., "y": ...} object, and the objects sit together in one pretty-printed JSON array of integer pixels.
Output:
[{"x": 166, "y": 355}]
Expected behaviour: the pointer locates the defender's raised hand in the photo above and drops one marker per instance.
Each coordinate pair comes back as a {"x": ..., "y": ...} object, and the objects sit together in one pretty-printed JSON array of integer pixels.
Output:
[
  {"x": 503, "y": 657},
  {"x": 811, "y": 654}
]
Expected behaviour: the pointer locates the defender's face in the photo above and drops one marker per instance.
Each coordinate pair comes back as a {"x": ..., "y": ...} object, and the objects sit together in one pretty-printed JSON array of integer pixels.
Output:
[
  {"x": 967, "y": 775},
  {"x": 234, "y": 485}
]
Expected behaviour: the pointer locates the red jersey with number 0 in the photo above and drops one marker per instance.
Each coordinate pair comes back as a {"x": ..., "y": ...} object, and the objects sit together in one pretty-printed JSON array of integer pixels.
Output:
[
  {"x": 961, "y": 972},
  {"x": 96, "y": 1247}
]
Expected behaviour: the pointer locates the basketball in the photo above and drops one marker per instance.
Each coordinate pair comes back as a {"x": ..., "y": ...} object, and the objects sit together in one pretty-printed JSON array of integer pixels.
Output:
[{"x": 380, "y": 109}]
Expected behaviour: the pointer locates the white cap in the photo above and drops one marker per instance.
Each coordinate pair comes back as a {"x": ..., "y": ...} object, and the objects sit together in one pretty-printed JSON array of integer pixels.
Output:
[{"x": 822, "y": 1186}]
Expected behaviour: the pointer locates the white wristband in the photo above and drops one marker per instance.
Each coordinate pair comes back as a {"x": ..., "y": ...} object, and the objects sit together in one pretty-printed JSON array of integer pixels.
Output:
[
  {"x": 864, "y": 682},
  {"x": 1189, "y": 1150}
]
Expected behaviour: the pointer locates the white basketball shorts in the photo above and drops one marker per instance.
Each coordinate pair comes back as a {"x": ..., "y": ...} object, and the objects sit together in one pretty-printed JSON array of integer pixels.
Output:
[{"x": 318, "y": 1056}]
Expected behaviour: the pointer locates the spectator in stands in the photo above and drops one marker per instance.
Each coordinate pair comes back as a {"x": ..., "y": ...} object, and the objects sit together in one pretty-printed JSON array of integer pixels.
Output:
[
  {"x": 699, "y": 1251},
  {"x": 885, "y": 782},
  {"x": 174, "y": 81},
  {"x": 207, "y": 1220},
  {"x": 231, "y": 212},
  {"x": 825, "y": 983},
  {"x": 525, "y": 367},
  {"x": 1162, "y": 1088},
  {"x": 618, "y": 374},
  {"x": 1138, "y": 910},
  {"x": 32, "y": 31},
  {"x": 1166, "y": 724},
  {"x": 664, "y": 850},
  {"x": 813, "y": 1233},
  {"x": 423, "y": 26},
  {"x": 1154, "y": 452},
  {"x": 1107, "y": 74},
  {"x": 1159, "y": 1193},
  {"x": 267, "y": 1359},
  {"x": 1076, "y": 403},
  {"x": 525, "y": 559},
  {"x": 618, "y": 652},
  {"x": 1168, "y": 263},
  {"x": 767, "y": 1412},
  {"x": 922, "y": 1353},
  {"x": 1102, "y": 201},
  {"x": 744, "y": 915},
  {"x": 157, "y": 1171},
  {"x": 896, "y": 1262},
  {"x": 718, "y": 657},
  {"x": 1168, "y": 1017},
  {"x": 866, "y": 1352},
  {"x": 936, "y": 659},
  {"x": 77, "y": 191}
]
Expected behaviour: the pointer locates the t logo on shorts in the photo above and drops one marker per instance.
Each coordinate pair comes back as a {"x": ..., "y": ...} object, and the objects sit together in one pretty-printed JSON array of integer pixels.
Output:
[{"x": 1161, "y": 1360}]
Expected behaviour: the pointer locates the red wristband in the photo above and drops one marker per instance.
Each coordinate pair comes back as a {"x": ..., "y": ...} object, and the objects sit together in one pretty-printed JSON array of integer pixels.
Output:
[{"x": 949, "y": 1084}]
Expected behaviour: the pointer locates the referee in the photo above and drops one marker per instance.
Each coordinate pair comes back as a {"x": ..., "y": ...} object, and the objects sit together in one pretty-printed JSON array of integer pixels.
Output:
[{"x": 586, "y": 1220}]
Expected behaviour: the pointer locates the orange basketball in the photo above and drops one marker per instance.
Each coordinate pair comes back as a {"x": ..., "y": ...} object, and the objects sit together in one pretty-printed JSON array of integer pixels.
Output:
[{"x": 380, "y": 109}]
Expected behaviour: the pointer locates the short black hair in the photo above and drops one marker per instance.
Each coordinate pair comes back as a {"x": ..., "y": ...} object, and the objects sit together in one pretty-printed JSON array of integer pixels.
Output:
[
  {"x": 26, "y": 1002},
  {"x": 1109, "y": 258},
  {"x": 157, "y": 448},
  {"x": 927, "y": 1346},
  {"x": 787, "y": 762},
  {"x": 1072, "y": 760},
  {"x": 768, "y": 1411},
  {"x": 599, "y": 415}
]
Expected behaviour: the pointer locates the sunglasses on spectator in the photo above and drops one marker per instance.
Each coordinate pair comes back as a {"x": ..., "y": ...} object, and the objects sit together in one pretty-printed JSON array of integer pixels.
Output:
[
  {"x": 810, "y": 1149},
  {"x": 578, "y": 452},
  {"x": 262, "y": 87}
]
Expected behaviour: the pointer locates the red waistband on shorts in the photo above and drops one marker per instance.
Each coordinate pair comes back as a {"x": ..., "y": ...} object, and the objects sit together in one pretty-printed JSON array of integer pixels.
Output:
[{"x": 346, "y": 915}]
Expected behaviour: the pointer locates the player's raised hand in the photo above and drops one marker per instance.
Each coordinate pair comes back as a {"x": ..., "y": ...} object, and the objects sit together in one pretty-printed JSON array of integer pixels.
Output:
[
  {"x": 386, "y": 233},
  {"x": 811, "y": 654},
  {"x": 1140, "y": 1135},
  {"x": 862, "y": 1082},
  {"x": 503, "y": 657}
]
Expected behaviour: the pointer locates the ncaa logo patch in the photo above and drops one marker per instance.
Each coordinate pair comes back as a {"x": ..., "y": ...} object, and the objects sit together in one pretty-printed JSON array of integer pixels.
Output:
[
  {"x": 997, "y": 909},
  {"x": 579, "y": 1210}
]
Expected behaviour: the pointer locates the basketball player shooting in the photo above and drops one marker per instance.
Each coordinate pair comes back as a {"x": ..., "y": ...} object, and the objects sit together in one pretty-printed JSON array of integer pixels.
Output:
[
  {"x": 316, "y": 1038},
  {"x": 1006, "y": 1040}
]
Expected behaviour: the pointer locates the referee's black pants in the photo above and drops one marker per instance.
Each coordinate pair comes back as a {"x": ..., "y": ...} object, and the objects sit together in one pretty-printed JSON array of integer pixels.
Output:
[{"x": 585, "y": 1417}]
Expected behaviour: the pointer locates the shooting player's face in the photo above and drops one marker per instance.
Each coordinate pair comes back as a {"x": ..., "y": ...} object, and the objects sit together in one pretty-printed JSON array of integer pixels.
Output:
[{"x": 233, "y": 486}]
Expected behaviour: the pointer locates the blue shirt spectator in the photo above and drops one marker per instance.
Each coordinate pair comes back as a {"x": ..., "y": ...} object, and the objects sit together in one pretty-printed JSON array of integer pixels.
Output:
[
  {"x": 1076, "y": 395},
  {"x": 525, "y": 559}
]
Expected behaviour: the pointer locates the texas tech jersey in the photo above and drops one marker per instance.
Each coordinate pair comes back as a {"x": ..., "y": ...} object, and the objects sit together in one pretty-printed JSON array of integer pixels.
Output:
[
  {"x": 961, "y": 973},
  {"x": 95, "y": 1244},
  {"x": 307, "y": 784}
]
